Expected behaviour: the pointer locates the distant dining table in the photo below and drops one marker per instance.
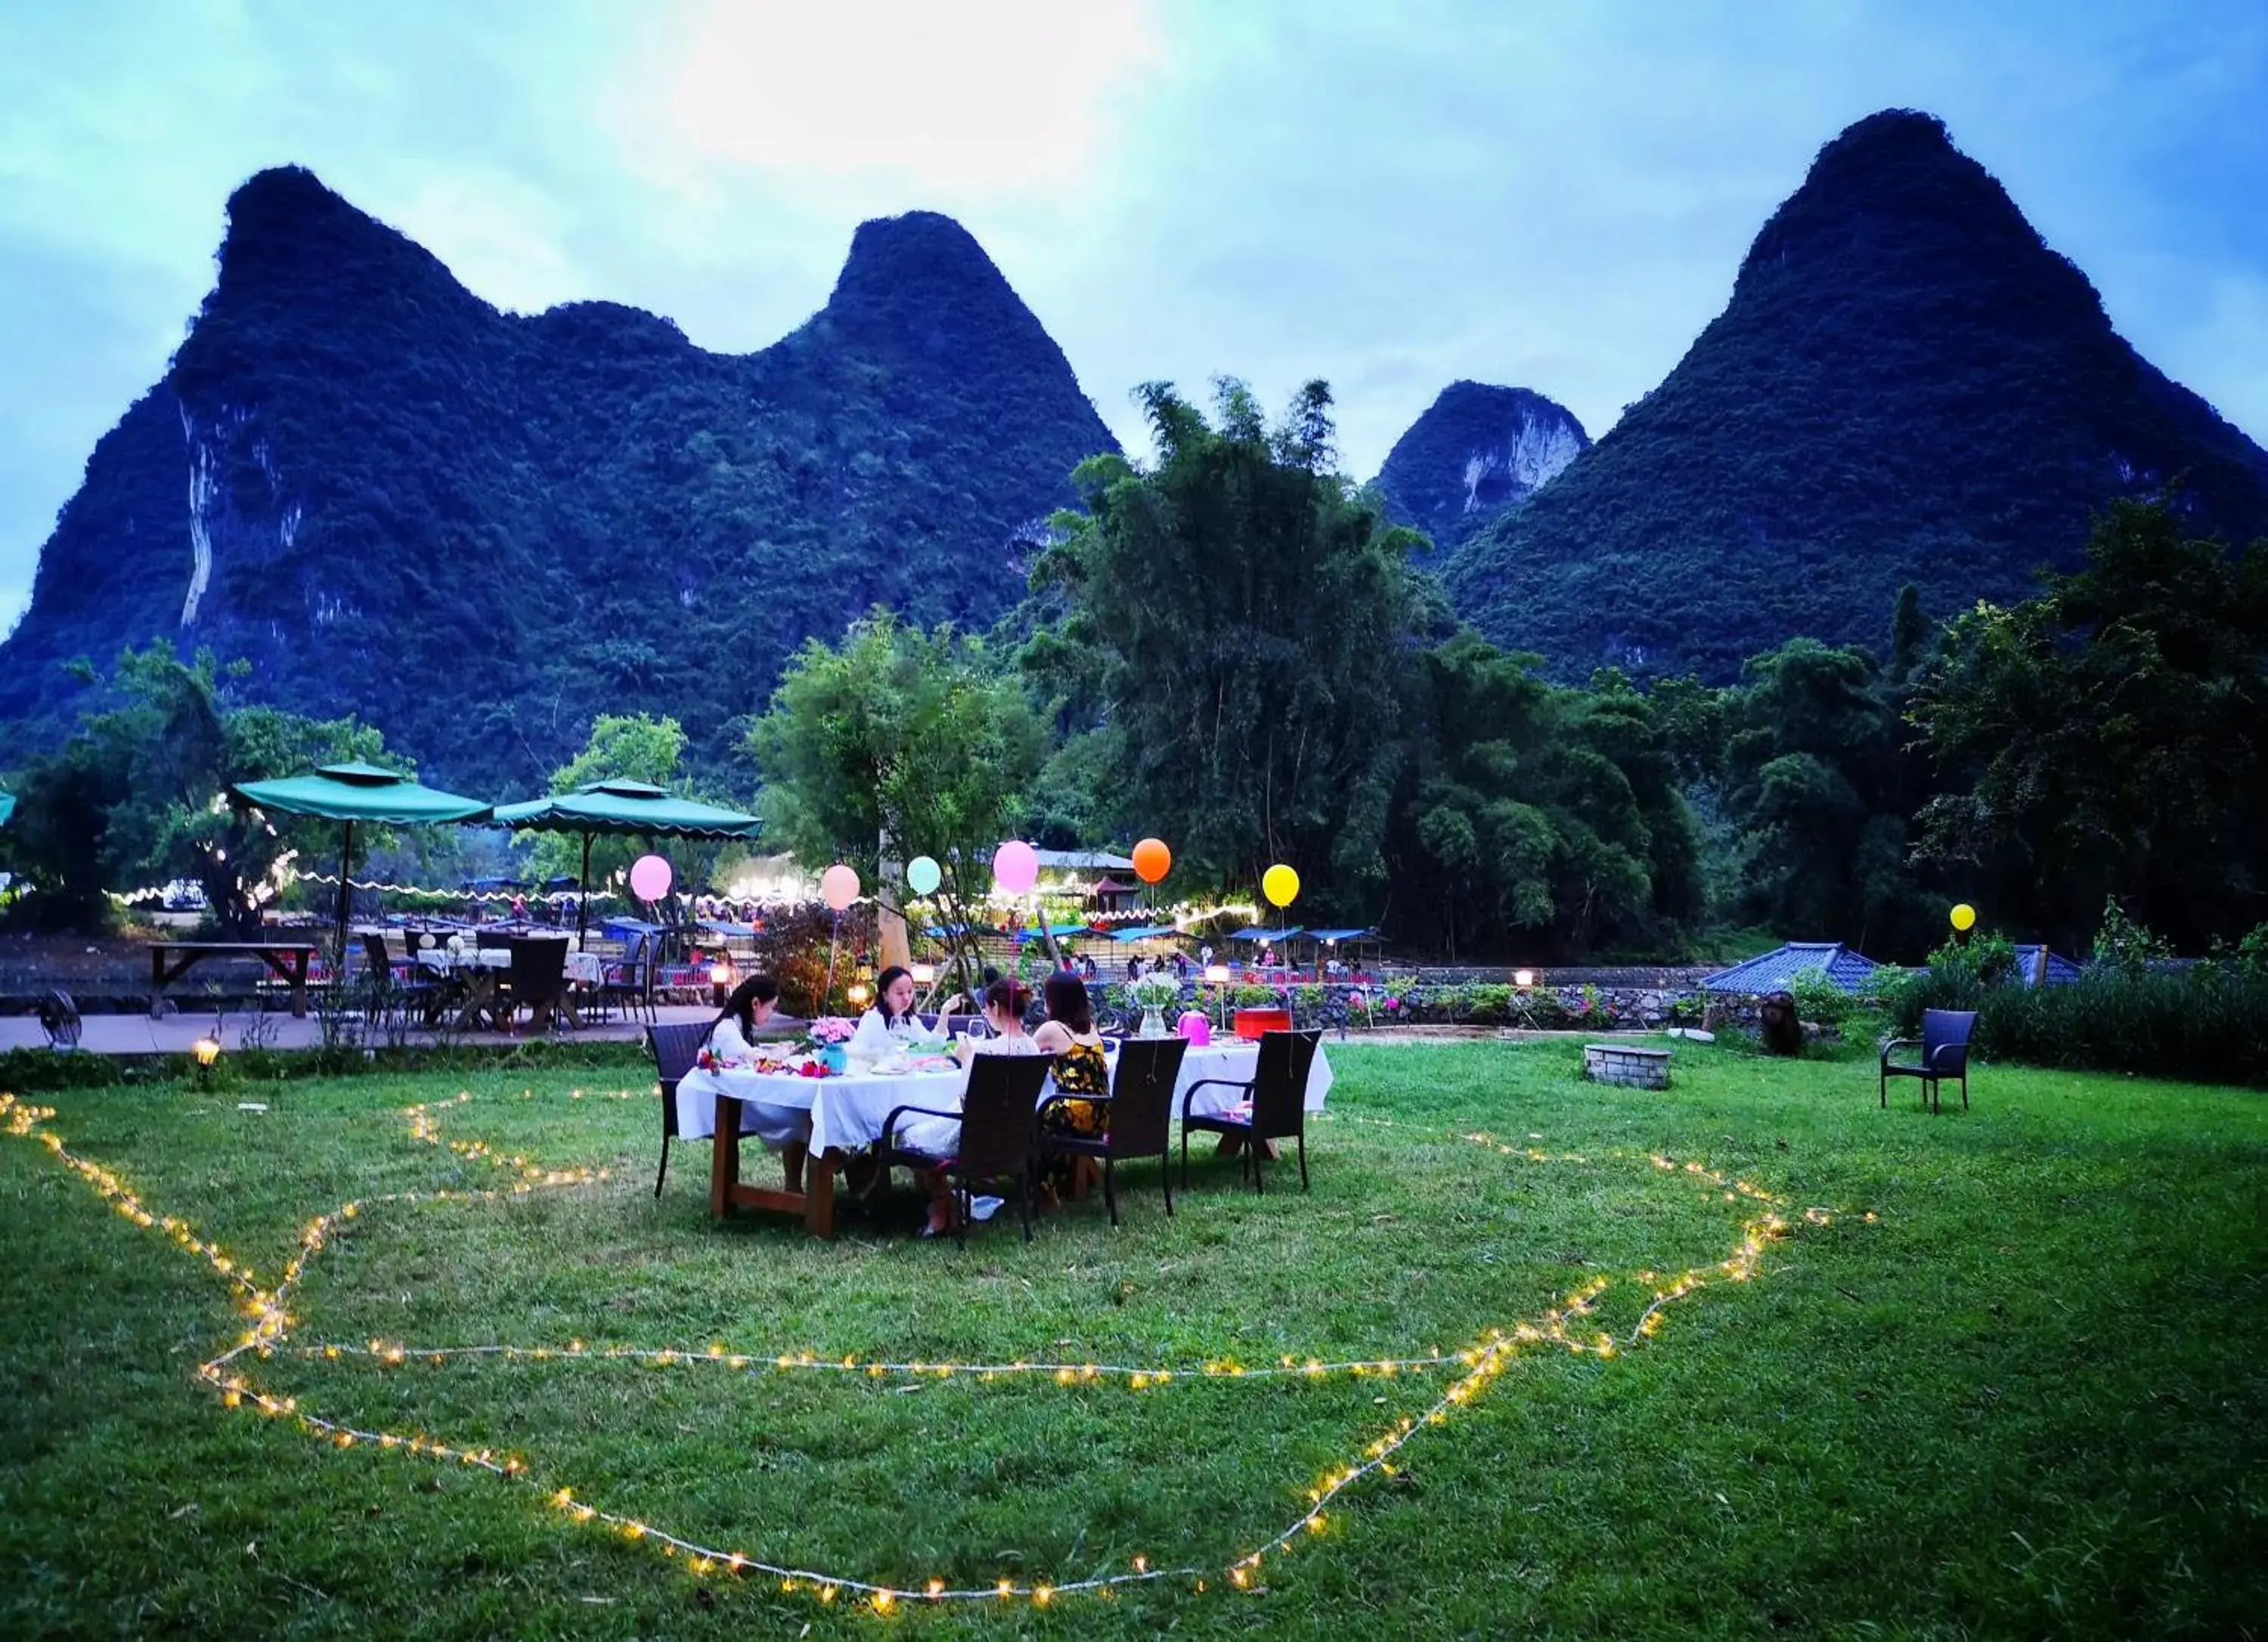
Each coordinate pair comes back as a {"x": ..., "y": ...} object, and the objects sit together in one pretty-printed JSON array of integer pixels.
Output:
[
  {"x": 482, "y": 969},
  {"x": 847, "y": 1111}
]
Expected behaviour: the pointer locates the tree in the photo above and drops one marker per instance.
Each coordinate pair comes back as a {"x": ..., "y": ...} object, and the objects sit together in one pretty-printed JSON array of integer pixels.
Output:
[
  {"x": 2104, "y": 738},
  {"x": 1544, "y": 819},
  {"x": 1228, "y": 634},
  {"x": 901, "y": 743},
  {"x": 138, "y": 797},
  {"x": 624, "y": 747},
  {"x": 1821, "y": 792}
]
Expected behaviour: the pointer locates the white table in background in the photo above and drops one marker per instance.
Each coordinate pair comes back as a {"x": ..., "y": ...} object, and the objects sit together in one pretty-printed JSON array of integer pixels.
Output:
[{"x": 848, "y": 1110}]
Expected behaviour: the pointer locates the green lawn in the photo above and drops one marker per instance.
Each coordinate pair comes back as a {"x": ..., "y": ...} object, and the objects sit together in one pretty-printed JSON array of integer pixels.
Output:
[{"x": 2010, "y": 1382}]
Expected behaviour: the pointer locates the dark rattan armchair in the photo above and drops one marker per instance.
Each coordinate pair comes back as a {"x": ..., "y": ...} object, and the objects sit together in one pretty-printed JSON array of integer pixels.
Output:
[
  {"x": 998, "y": 1125},
  {"x": 1137, "y": 1115},
  {"x": 675, "y": 1049},
  {"x": 1944, "y": 1046},
  {"x": 1275, "y": 1105}
]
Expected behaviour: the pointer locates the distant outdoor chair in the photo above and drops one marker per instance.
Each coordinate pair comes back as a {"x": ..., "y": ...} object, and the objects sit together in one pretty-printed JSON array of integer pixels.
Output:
[
  {"x": 1944, "y": 1046},
  {"x": 59, "y": 1020},
  {"x": 997, "y": 1119},
  {"x": 1275, "y": 1105},
  {"x": 1137, "y": 1115},
  {"x": 629, "y": 982},
  {"x": 675, "y": 1049},
  {"x": 406, "y": 992},
  {"x": 538, "y": 978}
]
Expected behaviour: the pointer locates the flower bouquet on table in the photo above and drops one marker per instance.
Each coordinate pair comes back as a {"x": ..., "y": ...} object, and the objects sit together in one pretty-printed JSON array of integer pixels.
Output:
[{"x": 825, "y": 1040}]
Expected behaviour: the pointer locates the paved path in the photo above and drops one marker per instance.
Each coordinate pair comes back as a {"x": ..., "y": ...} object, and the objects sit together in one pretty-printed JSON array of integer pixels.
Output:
[{"x": 138, "y": 1035}]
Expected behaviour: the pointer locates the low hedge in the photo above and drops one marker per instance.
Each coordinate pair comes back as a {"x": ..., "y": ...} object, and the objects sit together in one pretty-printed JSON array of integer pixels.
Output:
[
  {"x": 2207, "y": 1023},
  {"x": 39, "y": 1072}
]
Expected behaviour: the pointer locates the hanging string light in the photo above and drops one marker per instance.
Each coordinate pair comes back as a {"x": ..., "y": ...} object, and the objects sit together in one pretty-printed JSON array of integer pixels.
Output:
[{"x": 1570, "y": 1326}]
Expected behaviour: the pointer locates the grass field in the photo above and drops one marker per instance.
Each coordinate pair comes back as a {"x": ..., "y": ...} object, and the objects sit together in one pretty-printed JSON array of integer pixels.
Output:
[{"x": 2007, "y": 1377}]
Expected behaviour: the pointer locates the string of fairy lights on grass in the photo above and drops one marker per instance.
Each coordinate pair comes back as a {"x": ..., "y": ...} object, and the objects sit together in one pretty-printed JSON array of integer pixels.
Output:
[{"x": 1569, "y": 1327}]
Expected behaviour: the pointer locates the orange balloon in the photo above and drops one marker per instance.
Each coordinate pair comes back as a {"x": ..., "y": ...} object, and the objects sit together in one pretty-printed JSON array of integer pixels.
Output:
[{"x": 1152, "y": 860}]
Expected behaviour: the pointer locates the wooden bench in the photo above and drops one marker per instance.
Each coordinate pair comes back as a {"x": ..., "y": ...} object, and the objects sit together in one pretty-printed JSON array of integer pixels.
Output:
[
  {"x": 1627, "y": 1064},
  {"x": 288, "y": 959}
]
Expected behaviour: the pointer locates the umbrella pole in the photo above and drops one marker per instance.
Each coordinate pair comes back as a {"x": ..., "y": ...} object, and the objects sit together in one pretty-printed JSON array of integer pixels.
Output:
[
  {"x": 583, "y": 901},
  {"x": 346, "y": 866}
]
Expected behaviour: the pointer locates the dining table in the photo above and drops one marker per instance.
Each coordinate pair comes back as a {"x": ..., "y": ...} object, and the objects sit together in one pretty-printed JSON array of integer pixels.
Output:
[
  {"x": 482, "y": 969},
  {"x": 847, "y": 1110}
]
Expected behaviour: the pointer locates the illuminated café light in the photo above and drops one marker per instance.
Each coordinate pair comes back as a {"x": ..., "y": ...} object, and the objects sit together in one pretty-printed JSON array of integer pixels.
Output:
[
  {"x": 720, "y": 974},
  {"x": 923, "y": 973},
  {"x": 207, "y": 1049},
  {"x": 1523, "y": 978},
  {"x": 1216, "y": 973},
  {"x": 860, "y": 993}
]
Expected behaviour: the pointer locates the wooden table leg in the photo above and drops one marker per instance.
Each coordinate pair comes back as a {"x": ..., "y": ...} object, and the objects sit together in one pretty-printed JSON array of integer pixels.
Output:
[
  {"x": 157, "y": 984},
  {"x": 299, "y": 978},
  {"x": 724, "y": 1158},
  {"x": 818, "y": 1192}
]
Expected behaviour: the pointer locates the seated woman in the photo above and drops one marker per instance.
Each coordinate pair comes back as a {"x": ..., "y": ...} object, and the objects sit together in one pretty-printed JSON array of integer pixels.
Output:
[
  {"x": 785, "y": 1129},
  {"x": 1004, "y": 1002},
  {"x": 891, "y": 1025},
  {"x": 1069, "y": 1035}
]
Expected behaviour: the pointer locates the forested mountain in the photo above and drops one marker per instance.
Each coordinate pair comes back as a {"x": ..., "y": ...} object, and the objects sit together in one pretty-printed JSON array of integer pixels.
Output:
[
  {"x": 1908, "y": 386},
  {"x": 478, "y": 530},
  {"x": 1478, "y": 450}
]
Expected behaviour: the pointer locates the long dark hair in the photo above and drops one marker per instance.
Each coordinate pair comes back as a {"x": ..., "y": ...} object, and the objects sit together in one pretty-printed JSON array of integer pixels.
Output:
[
  {"x": 882, "y": 984},
  {"x": 1068, "y": 1002},
  {"x": 1011, "y": 996},
  {"x": 741, "y": 1005}
]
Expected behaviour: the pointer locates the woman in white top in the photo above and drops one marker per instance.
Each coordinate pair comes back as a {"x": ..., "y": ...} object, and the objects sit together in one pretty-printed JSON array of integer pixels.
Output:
[
  {"x": 785, "y": 1129},
  {"x": 1004, "y": 1002},
  {"x": 891, "y": 1025}
]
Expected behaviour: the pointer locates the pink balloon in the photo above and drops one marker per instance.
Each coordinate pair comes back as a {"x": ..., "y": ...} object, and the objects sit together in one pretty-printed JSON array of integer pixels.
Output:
[
  {"x": 1015, "y": 866},
  {"x": 650, "y": 877},
  {"x": 838, "y": 886}
]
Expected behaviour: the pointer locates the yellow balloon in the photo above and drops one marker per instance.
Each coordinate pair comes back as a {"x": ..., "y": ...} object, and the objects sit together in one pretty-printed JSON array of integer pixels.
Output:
[
  {"x": 1281, "y": 884},
  {"x": 1964, "y": 916}
]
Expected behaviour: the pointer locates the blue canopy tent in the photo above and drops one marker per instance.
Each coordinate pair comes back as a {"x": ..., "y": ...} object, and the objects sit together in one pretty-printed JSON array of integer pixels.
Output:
[
  {"x": 1270, "y": 935},
  {"x": 1145, "y": 931},
  {"x": 1059, "y": 931}
]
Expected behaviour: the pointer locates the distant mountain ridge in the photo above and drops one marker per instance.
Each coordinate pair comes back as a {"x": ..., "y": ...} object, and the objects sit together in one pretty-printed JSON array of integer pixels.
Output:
[
  {"x": 1907, "y": 385},
  {"x": 1477, "y": 450},
  {"x": 477, "y": 530}
]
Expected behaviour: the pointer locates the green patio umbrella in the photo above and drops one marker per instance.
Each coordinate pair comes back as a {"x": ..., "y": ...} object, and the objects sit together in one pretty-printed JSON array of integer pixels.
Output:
[
  {"x": 358, "y": 792},
  {"x": 623, "y": 808}
]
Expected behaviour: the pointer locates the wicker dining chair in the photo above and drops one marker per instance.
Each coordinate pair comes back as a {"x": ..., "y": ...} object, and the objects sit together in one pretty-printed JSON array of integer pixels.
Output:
[
  {"x": 1275, "y": 1106},
  {"x": 674, "y": 1049},
  {"x": 997, "y": 1127},
  {"x": 1137, "y": 1115}
]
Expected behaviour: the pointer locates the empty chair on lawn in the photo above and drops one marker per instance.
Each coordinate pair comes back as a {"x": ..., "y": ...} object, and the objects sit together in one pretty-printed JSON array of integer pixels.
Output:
[
  {"x": 1274, "y": 1107},
  {"x": 1944, "y": 1046}
]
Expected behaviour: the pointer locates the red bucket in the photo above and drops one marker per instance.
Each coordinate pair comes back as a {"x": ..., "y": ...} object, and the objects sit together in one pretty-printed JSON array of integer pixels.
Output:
[{"x": 1252, "y": 1023}]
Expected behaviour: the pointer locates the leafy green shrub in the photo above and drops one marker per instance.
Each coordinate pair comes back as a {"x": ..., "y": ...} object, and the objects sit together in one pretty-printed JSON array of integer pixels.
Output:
[{"x": 2208, "y": 1022}]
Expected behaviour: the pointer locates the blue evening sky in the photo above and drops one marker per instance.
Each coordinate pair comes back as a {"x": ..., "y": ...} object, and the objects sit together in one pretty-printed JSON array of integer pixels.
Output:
[{"x": 1390, "y": 195}]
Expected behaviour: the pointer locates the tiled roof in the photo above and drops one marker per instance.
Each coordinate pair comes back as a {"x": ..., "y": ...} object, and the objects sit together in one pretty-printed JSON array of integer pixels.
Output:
[
  {"x": 1776, "y": 971},
  {"x": 2061, "y": 970}
]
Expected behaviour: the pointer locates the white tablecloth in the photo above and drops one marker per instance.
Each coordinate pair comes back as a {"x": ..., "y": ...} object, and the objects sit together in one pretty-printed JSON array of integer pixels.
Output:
[
  {"x": 582, "y": 967},
  {"x": 847, "y": 1111}
]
